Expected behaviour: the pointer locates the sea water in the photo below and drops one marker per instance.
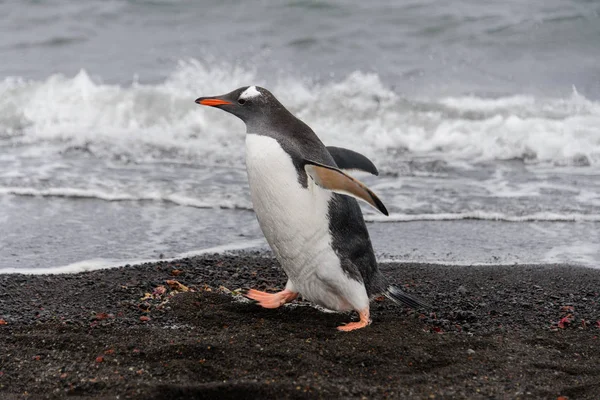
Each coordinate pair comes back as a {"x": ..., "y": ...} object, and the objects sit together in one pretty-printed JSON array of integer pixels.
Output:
[{"x": 483, "y": 119}]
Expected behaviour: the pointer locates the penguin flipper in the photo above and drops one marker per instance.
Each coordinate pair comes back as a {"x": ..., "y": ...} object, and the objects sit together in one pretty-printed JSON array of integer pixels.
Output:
[
  {"x": 337, "y": 181},
  {"x": 349, "y": 159}
]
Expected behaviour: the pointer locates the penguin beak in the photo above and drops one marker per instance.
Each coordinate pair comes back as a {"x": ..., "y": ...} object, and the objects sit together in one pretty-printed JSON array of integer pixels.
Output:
[{"x": 211, "y": 101}]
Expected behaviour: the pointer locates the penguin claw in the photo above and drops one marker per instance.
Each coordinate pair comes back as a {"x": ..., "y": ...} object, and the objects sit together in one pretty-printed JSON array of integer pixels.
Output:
[{"x": 271, "y": 300}]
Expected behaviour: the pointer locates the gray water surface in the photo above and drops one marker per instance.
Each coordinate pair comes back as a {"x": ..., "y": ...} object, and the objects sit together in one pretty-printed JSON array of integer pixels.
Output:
[{"x": 483, "y": 119}]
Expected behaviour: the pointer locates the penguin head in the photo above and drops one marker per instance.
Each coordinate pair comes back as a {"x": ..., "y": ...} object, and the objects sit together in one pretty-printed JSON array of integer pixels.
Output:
[{"x": 250, "y": 103}]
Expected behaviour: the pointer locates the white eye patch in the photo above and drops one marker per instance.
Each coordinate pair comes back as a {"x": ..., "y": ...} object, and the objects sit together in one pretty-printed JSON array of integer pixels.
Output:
[{"x": 249, "y": 93}]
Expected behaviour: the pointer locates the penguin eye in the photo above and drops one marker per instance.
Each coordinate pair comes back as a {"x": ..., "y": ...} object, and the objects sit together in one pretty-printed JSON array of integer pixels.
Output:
[{"x": 241, "y": 101}]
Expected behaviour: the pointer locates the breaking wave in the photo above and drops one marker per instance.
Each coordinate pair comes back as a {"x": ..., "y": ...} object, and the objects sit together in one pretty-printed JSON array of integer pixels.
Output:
[{"x": 150, "y": 120}]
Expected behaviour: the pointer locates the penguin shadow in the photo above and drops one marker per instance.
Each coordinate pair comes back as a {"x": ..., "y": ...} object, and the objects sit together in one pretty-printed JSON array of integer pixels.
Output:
[
  {"x": 296, "y": 315},
  {"x": 215, "y": 310},
  {"x": 301, "y": 315}
]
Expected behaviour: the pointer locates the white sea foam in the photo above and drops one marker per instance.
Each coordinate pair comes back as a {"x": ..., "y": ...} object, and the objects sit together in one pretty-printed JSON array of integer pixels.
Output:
[
  {"x": 75, "y": 193},
  {"x": 484, "y": 215},
  {"x": 219, "y": 202},
  {"x": 359, "y": 111}
]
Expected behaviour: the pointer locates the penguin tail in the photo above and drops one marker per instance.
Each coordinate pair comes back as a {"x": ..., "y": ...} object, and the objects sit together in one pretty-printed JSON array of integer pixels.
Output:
[{"x": 399, "y": 296}]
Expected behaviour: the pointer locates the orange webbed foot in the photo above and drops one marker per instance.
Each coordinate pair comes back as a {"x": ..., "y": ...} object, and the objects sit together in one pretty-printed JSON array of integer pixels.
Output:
[
  {"x": 363, "y": 322},
  {"x": 271, "y": 300}
]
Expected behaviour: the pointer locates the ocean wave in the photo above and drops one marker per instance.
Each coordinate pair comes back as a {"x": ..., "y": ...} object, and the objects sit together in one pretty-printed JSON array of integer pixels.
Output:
[
  {"x": 486, "y": 216},
  {"x": 76, "y": 193},
  {"x": 358, "y": 111},
  {"x": 241, "y": 204}
]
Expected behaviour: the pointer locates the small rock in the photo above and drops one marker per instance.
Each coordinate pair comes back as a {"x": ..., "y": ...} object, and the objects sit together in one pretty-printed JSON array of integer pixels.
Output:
[
  {"x": 470, "y": 351},
  {"x": 462, "y": 290}
]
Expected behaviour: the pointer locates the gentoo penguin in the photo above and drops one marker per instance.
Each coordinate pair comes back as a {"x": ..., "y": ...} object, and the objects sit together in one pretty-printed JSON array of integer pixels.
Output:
[{"x": 306, "y": 208}]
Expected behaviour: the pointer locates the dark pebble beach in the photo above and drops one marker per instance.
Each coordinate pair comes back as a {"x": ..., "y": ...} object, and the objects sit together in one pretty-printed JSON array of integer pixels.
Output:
[{"x": 181, "y": 330}]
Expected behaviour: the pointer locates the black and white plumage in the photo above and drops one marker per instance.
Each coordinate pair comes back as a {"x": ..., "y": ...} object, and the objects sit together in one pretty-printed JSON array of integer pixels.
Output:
[{"x": 307, "y": 209}]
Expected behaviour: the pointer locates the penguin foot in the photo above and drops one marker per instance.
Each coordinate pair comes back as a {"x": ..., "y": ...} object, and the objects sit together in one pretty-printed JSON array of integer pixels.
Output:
[
  {"x": 364, "y": 321},
  {"x": 271, "y": 300}
]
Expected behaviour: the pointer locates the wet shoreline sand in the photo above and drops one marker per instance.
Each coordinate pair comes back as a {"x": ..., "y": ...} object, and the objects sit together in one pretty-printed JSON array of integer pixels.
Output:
[{"x": 522, "y": 331}]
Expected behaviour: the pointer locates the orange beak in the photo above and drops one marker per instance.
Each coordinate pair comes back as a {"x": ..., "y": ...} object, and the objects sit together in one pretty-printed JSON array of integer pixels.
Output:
[{"x": 211, "y": 102}]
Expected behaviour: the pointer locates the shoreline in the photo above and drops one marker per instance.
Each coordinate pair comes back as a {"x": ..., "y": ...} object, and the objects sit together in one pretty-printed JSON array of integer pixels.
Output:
[
  {"x": 131, "y": 233},
  {"x": 529, "y": 331}
]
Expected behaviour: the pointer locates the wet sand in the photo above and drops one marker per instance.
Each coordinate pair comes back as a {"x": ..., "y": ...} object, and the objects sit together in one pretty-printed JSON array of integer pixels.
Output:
[{"x": 523, "y": 331}]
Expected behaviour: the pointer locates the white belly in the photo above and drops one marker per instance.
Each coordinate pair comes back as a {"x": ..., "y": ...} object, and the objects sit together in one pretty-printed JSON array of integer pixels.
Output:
[{"x": 295, "y": 223}]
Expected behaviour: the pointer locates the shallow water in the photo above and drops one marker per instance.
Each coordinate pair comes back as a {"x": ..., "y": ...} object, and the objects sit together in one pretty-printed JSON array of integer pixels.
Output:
[{"x": 473, "y": 113}]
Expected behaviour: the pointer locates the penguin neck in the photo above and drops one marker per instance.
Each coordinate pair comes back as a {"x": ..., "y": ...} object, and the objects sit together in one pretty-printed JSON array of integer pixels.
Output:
[{"x": 277, "y": 122}]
